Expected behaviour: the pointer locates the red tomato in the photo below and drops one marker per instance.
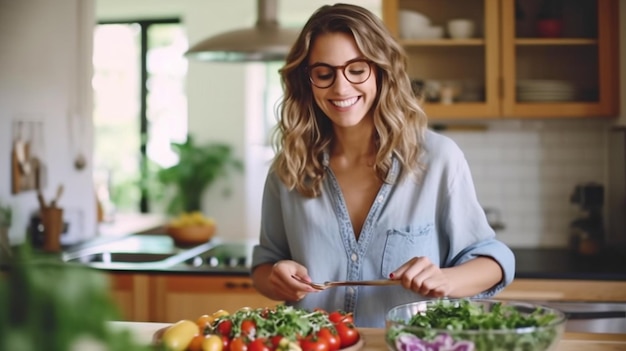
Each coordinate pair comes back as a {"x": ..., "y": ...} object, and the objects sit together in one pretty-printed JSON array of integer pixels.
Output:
[
  {"x": 196, "y": 343},
  {"x": 260, "y": 344},
  {"x": 313, "y": 343},
  {"x": 225, "y": 343},
  {"x": 248, "y": 327},
  {"x": 238, "y": 344},
  {"x": 348, "y": 335},
  {"x": 331, "y": 337},
  {"x": 265, "y": 313},
  {"x": 275, "y": 340},
  {"x": 340, "y": 317},
  {"x": 225, "y": 327}
]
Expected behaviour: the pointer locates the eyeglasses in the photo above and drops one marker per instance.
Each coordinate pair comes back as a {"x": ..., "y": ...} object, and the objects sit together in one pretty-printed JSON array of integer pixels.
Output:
[{"x": 356, "y": 72}]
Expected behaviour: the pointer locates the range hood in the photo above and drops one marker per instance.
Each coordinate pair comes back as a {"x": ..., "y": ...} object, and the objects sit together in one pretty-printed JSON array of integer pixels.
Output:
[{"x": 266, "y": 41}]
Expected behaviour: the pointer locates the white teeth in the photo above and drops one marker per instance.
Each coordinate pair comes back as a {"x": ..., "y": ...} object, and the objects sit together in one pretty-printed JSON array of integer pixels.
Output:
[{"x": 344, "y": 103}]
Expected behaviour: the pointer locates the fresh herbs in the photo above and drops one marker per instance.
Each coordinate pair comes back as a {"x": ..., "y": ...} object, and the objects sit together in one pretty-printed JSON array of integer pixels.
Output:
[
  {"x": 467, "y": 325},
  {"x": 286, "y": 321},
  {"x": 466, "y": 315}
]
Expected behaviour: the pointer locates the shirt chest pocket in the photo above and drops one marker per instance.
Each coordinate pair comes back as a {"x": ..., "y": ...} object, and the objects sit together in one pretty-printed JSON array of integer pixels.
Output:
[{"x": 403, "y": 244}]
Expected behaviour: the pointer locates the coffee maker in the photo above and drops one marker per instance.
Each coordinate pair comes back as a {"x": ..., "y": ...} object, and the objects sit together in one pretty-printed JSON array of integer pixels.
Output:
[{"x": 587, "y": 229}]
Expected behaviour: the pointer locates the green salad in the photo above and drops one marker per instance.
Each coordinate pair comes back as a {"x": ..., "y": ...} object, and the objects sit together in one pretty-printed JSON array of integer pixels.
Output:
[{"x": 465, "y": 325}]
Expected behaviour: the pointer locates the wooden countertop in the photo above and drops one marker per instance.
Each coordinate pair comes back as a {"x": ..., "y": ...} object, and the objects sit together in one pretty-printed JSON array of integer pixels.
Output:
[{"x": 374, "y": 338}]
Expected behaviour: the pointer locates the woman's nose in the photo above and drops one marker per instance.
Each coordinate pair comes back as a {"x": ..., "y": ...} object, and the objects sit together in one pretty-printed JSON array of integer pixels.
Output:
[{"x": 341, "y": 83}]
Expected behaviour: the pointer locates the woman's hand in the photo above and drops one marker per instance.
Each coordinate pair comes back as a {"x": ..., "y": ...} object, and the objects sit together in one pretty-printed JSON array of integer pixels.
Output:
[
  {"x": 420, "y": 275},
  {"x": 284, "y": 285}
]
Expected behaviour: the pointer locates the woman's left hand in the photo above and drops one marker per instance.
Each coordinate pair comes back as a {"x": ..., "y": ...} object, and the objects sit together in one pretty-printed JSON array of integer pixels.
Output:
[{"x": 422, "y": 276}]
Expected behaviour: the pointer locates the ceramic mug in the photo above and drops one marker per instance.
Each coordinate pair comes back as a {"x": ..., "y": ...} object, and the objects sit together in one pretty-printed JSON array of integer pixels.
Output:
[
  {"x": 549, "y": 28},
  {"x": 461, "y": 28}
]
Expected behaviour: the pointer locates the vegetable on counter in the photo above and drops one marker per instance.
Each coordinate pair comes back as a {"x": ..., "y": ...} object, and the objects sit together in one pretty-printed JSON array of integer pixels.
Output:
[{"x": 283, "y": 328}]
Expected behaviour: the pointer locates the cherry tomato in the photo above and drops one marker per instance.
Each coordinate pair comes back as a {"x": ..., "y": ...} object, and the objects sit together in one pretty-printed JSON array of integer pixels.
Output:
[
  {"x": 340, "y": 317},
  {"x": 275, "y": 340},
  {"x": 196, "y": 343},
  {"x": 348, "y": 335},
  {"x": 225, "y": 343},
  {"x": 248, "y": 327},
  {"x": 225, "y": 327},
  {"x": 238, "y": 344},
  {"x": 265, "y": 313},
  {"x": 212, "y": 342},
  {"x": 260, "y": 344},
  {"x": 219, "y": 313},
  {"x": 313, "y": 343},
  {"x": 331, "y": 337},
  {"x": 204, "y": 321}
]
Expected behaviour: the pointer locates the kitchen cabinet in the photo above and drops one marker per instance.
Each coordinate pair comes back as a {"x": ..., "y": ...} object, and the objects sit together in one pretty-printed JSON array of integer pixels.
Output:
[
  {"x": 189, "y": 296},
  {"x": 565, "y": 290},
  {"x": 131, "y": 292},
  {"x": 508, "y": 69},
  {"x": 172, "y": 297}
]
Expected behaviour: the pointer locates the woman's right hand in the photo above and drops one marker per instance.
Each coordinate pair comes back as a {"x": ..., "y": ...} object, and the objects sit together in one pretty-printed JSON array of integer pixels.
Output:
[{"x": 284, "y": 285}]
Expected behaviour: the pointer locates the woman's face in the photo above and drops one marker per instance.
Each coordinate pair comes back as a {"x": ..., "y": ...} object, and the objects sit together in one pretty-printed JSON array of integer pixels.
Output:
[{"x": 344, "y": 102}]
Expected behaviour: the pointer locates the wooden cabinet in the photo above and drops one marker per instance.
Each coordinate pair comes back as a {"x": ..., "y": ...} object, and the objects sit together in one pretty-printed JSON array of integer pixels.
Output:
[
  {"x": 189, "y": 296},
  {"x": 564, "y": 290},
  {"x": 170, "y": 297},
  {"x": 131, "y": 292},
  {"x": 509, "y": 70}
]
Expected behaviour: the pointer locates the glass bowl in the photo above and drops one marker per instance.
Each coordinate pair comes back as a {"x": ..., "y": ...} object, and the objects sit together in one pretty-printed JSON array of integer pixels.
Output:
[{"x": 473, "y": 325}]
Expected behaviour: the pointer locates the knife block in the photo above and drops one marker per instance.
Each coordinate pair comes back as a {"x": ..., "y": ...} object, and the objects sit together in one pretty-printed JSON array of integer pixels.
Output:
[{"x": 52, "y": 221}]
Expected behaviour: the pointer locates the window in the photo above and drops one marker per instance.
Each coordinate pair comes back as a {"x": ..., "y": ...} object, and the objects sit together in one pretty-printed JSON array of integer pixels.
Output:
[{"x": 140, "y": 106}]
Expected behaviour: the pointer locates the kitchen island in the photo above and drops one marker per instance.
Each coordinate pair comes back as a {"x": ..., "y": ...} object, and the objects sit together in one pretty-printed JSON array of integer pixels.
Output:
[{"x": 374, "y": 338}]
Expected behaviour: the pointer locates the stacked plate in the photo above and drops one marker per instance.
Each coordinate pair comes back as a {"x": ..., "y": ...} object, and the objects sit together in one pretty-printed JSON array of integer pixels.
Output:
[{"x": 542, "y": 90}]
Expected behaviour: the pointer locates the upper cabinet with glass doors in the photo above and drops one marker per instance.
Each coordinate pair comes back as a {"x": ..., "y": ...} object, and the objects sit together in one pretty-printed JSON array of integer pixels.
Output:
[{"x": 510, "y": 59}]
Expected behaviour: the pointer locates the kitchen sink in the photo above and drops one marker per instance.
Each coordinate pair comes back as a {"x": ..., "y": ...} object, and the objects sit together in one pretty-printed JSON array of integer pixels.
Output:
[
  {"x": 158, "y": 252},
  {"x": 109, "y": 257},
  {"x": 138, "y": 251}
]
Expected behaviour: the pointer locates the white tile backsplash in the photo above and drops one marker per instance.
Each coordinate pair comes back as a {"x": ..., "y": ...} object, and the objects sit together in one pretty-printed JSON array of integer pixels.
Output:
[{"x": 528, "y": 170}]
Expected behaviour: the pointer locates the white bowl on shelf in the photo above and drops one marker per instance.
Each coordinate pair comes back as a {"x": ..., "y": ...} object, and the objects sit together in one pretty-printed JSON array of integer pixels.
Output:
[
  {"x": 410, "y": 23},
  {"x": 461, "y": 28}
]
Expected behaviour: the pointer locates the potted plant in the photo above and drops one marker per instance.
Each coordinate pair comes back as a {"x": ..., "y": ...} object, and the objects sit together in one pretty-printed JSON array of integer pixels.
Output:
[{"x": 199, "y": 166}]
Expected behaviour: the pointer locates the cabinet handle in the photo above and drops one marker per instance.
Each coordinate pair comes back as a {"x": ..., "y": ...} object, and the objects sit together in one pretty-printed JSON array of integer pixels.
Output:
[{"x": 234, "y": 285}]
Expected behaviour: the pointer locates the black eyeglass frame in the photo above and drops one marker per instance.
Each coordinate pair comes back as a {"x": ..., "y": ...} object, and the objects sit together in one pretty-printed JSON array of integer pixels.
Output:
[{"x": 334, "y": 69}]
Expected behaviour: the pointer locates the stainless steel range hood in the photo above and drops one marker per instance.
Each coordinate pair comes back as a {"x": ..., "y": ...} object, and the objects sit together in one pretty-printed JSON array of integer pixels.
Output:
[{"x": 266, "y": 41}]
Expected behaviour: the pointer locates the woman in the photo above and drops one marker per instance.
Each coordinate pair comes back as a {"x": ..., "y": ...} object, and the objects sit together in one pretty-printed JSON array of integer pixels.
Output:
[{"x": 360, "y": 189}]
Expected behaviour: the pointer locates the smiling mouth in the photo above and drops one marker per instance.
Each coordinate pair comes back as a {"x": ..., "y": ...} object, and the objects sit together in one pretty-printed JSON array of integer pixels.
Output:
[{"x": 345, "y": 103}]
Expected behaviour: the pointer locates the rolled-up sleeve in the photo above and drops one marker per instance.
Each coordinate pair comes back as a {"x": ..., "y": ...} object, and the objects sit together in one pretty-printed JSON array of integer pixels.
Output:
[{"x": 467, "y": 230}]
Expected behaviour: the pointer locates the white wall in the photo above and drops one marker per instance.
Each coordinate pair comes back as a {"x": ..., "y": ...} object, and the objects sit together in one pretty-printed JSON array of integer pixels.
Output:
[{"x": 45, "y": 51}]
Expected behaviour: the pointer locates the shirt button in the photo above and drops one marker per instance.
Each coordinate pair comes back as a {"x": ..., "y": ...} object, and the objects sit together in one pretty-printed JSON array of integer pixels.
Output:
[
  {"x": 379, "y": 199},
  {"x": 354, "y": 257},
  {"x": 351, "y": 290}
]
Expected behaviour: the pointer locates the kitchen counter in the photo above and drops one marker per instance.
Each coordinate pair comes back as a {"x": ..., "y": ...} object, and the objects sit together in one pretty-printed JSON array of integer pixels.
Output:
[
  {"x": 374, "y": 338},
  {"x": 532, "y": 263}
]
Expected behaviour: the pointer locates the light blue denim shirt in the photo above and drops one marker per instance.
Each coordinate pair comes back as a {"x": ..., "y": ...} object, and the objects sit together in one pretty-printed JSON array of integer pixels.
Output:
[{"x": 438, "y": 217}]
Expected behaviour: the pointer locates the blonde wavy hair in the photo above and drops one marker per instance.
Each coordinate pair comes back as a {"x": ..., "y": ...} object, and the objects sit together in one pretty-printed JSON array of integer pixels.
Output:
[{"x": 303, "y": 131}]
